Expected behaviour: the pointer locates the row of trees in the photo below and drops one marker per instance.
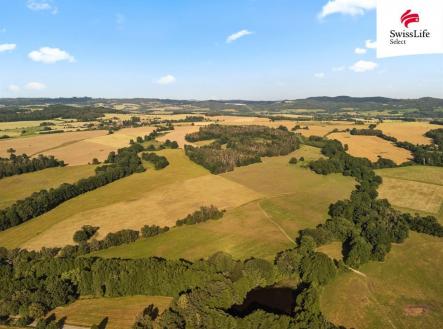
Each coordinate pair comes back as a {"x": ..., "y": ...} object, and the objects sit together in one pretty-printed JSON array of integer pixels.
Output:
[
  {"x": 202, "y": 215},
  {"x": 158, "y": 161},
  {"x": 20, "y": 164},
  {"x": 236, "y": 146},
  {"x": 118, "y": 165}
]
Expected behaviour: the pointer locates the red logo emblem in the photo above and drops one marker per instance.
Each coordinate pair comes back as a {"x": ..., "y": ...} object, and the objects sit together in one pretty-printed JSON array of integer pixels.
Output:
[{"x": 408, "y": 18}]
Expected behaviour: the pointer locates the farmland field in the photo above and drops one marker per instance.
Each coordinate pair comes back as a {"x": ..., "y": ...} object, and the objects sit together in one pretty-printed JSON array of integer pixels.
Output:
[
  {"x": 412, "y": 132},
  {"x": 21, "y": 186},
  {"x": 404, "y": 291},
  {"x": 120, "y": 312},
  {"x": 372, "y": 147},
  {"x": 288, "y": 202}
]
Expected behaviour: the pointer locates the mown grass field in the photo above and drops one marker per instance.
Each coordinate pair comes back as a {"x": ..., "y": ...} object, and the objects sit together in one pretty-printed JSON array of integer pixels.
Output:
[
  {"x": 292, "y": 198},
  {"x": 120, "y": 312},
  {"x": 405, "y": 291},
  {"x": 414, "y": 188},
  {"x": 372, "y": 147},
  {"x": 21, "y": 186}
]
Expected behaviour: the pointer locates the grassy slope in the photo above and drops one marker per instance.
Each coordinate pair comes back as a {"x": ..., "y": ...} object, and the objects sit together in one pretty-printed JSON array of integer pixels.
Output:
[
  {"x": 121, "y": 312},
  {"x": 294, "y": 199},
  {"x": 126, "y": 189},
  {"x": 409, "y": 280},
  {"x": 20, "y": 186}
]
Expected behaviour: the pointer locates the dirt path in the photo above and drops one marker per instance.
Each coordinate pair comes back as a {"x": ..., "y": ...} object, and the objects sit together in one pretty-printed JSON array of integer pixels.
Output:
[{"x": 276, "y": 225}]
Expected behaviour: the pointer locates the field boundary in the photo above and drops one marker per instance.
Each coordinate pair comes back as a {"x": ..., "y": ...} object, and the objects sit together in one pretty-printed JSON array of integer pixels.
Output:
[{"x": 276, "y": 224}]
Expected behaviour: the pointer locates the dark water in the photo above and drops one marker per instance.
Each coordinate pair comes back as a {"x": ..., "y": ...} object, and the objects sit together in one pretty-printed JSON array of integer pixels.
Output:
[{"x": 269, "y": 299}]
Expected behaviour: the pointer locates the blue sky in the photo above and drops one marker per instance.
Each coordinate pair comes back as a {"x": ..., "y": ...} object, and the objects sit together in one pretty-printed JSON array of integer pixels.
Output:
[{"x": 201, "y": 49}]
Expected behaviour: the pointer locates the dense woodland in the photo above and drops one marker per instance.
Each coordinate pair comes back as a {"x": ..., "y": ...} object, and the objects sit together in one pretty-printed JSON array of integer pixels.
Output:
[
  {"x": 53, "y": 112},
  {"x": 20, "y": 164},
  {"x": 236, "y": 146}
]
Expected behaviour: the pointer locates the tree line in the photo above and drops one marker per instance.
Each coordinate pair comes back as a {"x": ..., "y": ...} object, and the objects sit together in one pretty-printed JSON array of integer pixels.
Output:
[
  {"x": 366, "y": 225},
  {"x": 236, "y": 146},
  {"x": 53, "y": 112},
  {"x": 202, "y": 215},
  {"x": 20, "y": 164},
  {"x": 158, "y": 161}
]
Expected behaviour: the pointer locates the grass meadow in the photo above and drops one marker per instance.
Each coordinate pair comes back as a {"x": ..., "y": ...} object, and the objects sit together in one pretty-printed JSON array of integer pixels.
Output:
[{"x": 404, "y": 291}]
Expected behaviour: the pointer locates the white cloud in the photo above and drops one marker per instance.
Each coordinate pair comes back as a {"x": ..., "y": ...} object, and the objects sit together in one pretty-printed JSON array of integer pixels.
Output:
[
  {"x": 237, "y": 35},
  {"x": 363, "y": 66},
  {"x": 39, "y": 5},
  {"x": 338, "y": 68},
  {"x": 49, "y": 55},
  {"x": 371, "y": 44},
  {"x": 120, "y": 20},
  {"x": 319, "y": 75},
  {"x": 166, "y": 80},
  {"x": 360, "y": 51},
  {"x": 35, "y": 86},
  {"x": 7, "y": 47},
  {"x": 347, "y": 7},
  {"x": 14, "y": 88}
]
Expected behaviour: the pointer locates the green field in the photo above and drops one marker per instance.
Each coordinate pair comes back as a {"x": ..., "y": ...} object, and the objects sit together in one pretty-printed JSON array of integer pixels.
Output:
[
  {"x": 20, "y": 186},
  {"x": 405, "y": 291},
  {"x": 293, "y": 198},
  {"x": 120, "y": 312}
]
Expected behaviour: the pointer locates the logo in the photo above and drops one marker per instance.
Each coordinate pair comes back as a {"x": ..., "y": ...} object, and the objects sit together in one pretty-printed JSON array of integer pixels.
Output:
[{"x": 408, "y": 18}]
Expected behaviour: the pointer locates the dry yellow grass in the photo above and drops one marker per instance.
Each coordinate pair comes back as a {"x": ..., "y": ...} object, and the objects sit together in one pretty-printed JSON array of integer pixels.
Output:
[
  {"x": 44, "y": 143},
  {"x": 412, "y": 132},
  {"x": 22, "y": 124},
  {"x": 179, "y": 133},
  {"x": 121, "y": 311},
  {"x": 412, "y": 195},
  {"x": 372, "y": 147}
]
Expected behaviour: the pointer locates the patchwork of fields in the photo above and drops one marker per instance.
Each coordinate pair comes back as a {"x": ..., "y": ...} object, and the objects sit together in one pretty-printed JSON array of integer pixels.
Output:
[{"x": 266, "y": 204}]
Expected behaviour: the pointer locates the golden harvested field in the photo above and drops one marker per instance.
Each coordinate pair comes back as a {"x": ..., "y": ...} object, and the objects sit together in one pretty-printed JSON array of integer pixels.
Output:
[
  {"x": 22, "y": 124},
  {"x": 21, "y": 186},
  {"x": 372, "y": 147},
  {"x": 404, "y": 291},
  {"x": 75, "y": 148},
  {"x": 413, "y": 188},
  {"x": 324, "y": 128},
  {"x": 121, "y": 312},
  {"x": 44, "y": 143},
  {"x": 412, "y": 132},
  {"x": 178, "y": 134}
]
